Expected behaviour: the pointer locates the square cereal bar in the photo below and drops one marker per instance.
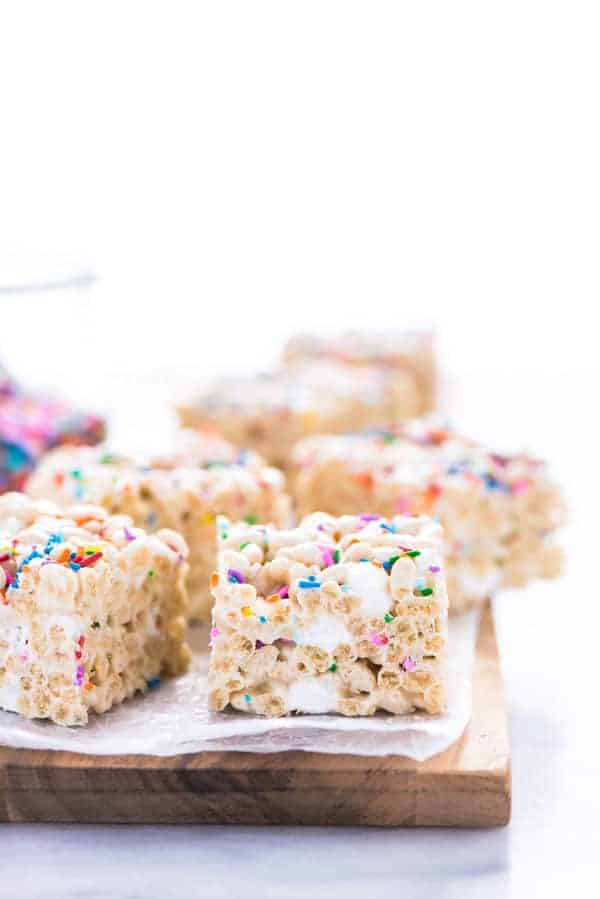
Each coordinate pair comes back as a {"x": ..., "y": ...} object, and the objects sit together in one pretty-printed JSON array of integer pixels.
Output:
[
  {"x": 499, "y": 512},
  {"x": 91, "y": 609},
  {"x": 271, "y": 412},
  {"x": 345, "y": 615},
  {"x": 183, "y": 490},
  {"x": 399, "y": 354}
]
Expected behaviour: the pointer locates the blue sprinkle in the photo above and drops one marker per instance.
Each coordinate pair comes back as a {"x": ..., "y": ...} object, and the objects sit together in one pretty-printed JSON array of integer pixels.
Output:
[
  {"x": 262, "y": 619},
  {"x": 420, "y": 583},
  {"x": 247, "y": 697},
  {"x": 345, "y": 588},
  {"x": 153, "y": 682},
  {"x": 74, "y": 566},
  {"x": 53, "y": 540},
  {"x": 310, "y": 584},
  {"x": 390, "y": 528},
  {"x": 364, "y": 560}
]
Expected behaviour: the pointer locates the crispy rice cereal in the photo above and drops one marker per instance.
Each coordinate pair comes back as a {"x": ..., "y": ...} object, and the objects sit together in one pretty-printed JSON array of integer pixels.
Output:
[
  {"x": 271, "y": 412},
  {"x": 345, "y": 615},
  {"x": 499, "y": 512},
  {"x": 399, "y": 353},
  {"x": 91, "y": 609},
  {"x": 183, "y": 490}
]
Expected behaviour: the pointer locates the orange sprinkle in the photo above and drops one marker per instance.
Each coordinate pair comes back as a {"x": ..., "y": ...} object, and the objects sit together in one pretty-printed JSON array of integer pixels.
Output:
[
  {"x": 214, "y": 579},
  {"x": 365, "y": 479},
  {"x": 88, "y": 686},
  {"x": 65, "y": 554},
  {"x": 274, "y": 597}
]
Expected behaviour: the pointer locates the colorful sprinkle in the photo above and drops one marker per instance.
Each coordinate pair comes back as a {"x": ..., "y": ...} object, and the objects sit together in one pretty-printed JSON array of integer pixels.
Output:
[
  {"x": 409, "y": 664},
  {"x": 390, "y": 563},
  {"x": 153, "y": 682},
  {"x": 235, "y": 576},
  {"x": 311, "y": 584},
  {"x": 379, "y": 639},
  {"x": 214, "y": 632}
]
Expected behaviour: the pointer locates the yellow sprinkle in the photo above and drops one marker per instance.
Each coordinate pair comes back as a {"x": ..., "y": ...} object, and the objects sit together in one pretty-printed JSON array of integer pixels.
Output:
[
  {"x": 207, "y": 518},
  {"x": 247, "y": 611}
]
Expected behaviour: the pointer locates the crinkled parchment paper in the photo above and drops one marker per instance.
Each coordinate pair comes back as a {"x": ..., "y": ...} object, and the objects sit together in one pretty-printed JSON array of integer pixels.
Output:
[{"x": 174, "y": 719}]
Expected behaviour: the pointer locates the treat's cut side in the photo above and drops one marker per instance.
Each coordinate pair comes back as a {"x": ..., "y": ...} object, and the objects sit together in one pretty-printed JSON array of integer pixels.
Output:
[
  {"x": 345, "y": 615},
  {"x": 92, "y": 610}
]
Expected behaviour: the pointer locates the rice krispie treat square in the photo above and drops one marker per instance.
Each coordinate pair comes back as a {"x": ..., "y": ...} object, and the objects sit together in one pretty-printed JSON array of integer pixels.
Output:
[
  {"x": 398, "y": 353},
  {"x": 345, "y": 615},
  {"x": 184, "y": 490},
  {"x": 271, "y": 412},
  {"x": 92, "y": 609},
  {"x": 499, "y": 513}
]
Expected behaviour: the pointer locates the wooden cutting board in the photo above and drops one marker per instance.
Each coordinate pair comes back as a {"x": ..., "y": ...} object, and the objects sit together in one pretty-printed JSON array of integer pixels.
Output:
[{"x": 468, "y": 785}]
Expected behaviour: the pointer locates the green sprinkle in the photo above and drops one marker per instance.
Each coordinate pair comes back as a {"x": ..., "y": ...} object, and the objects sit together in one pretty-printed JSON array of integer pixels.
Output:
[
  {"x": 413, "y": 553},
  {"x": 244, "y": 545},
  {"x": 107, "y": 459},
  {"x": 389, "y": 438},
  {"x": 333, "y": 666},
  {"x": 151, "y": 573},
  {"x": 426, "y": 591},
  {"x": 76, "y": 473},
  {"x": 224, "y": 535},
  {"x": 390, "y": 563},
  {"x": 251, "y": 519},
  {"x": 387, "y": 618},
  {"x": 336, "y": 556}
]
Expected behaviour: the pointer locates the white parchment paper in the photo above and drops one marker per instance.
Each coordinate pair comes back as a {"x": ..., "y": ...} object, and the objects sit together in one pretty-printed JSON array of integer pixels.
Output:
[{"x": 174, "y": 719}]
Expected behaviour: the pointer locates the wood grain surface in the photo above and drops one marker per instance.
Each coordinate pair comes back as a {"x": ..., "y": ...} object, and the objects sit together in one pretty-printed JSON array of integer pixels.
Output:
[{"x": 467, "y": 785}]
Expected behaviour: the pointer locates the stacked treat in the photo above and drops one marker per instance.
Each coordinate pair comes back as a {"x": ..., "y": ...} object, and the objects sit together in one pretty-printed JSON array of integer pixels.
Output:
[{"x": 329, "y": 586}]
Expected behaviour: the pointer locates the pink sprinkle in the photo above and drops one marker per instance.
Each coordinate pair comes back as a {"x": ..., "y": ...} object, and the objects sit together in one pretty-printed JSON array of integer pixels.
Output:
[
  {"x": 79, "y": 675},
  {"x": 24, "y": 656},
  {"x": 370, "y": 517},
  {"x": 214, "y": 632},
  {"x": 409, "y": 664},
  {"x": 435, "y": 568},
  {"x": 327, "y": 555},
  {"x": 402, "y": 505},
  {"x": 519, "y": 486},
  {"x": 128, "y": 535},
  {"x": 284, "y": 591},
  {"x": 379, "y": 639}
]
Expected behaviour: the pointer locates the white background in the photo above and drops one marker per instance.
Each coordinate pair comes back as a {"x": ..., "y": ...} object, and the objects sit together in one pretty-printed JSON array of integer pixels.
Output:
[{"x": 232, "y": 172}]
